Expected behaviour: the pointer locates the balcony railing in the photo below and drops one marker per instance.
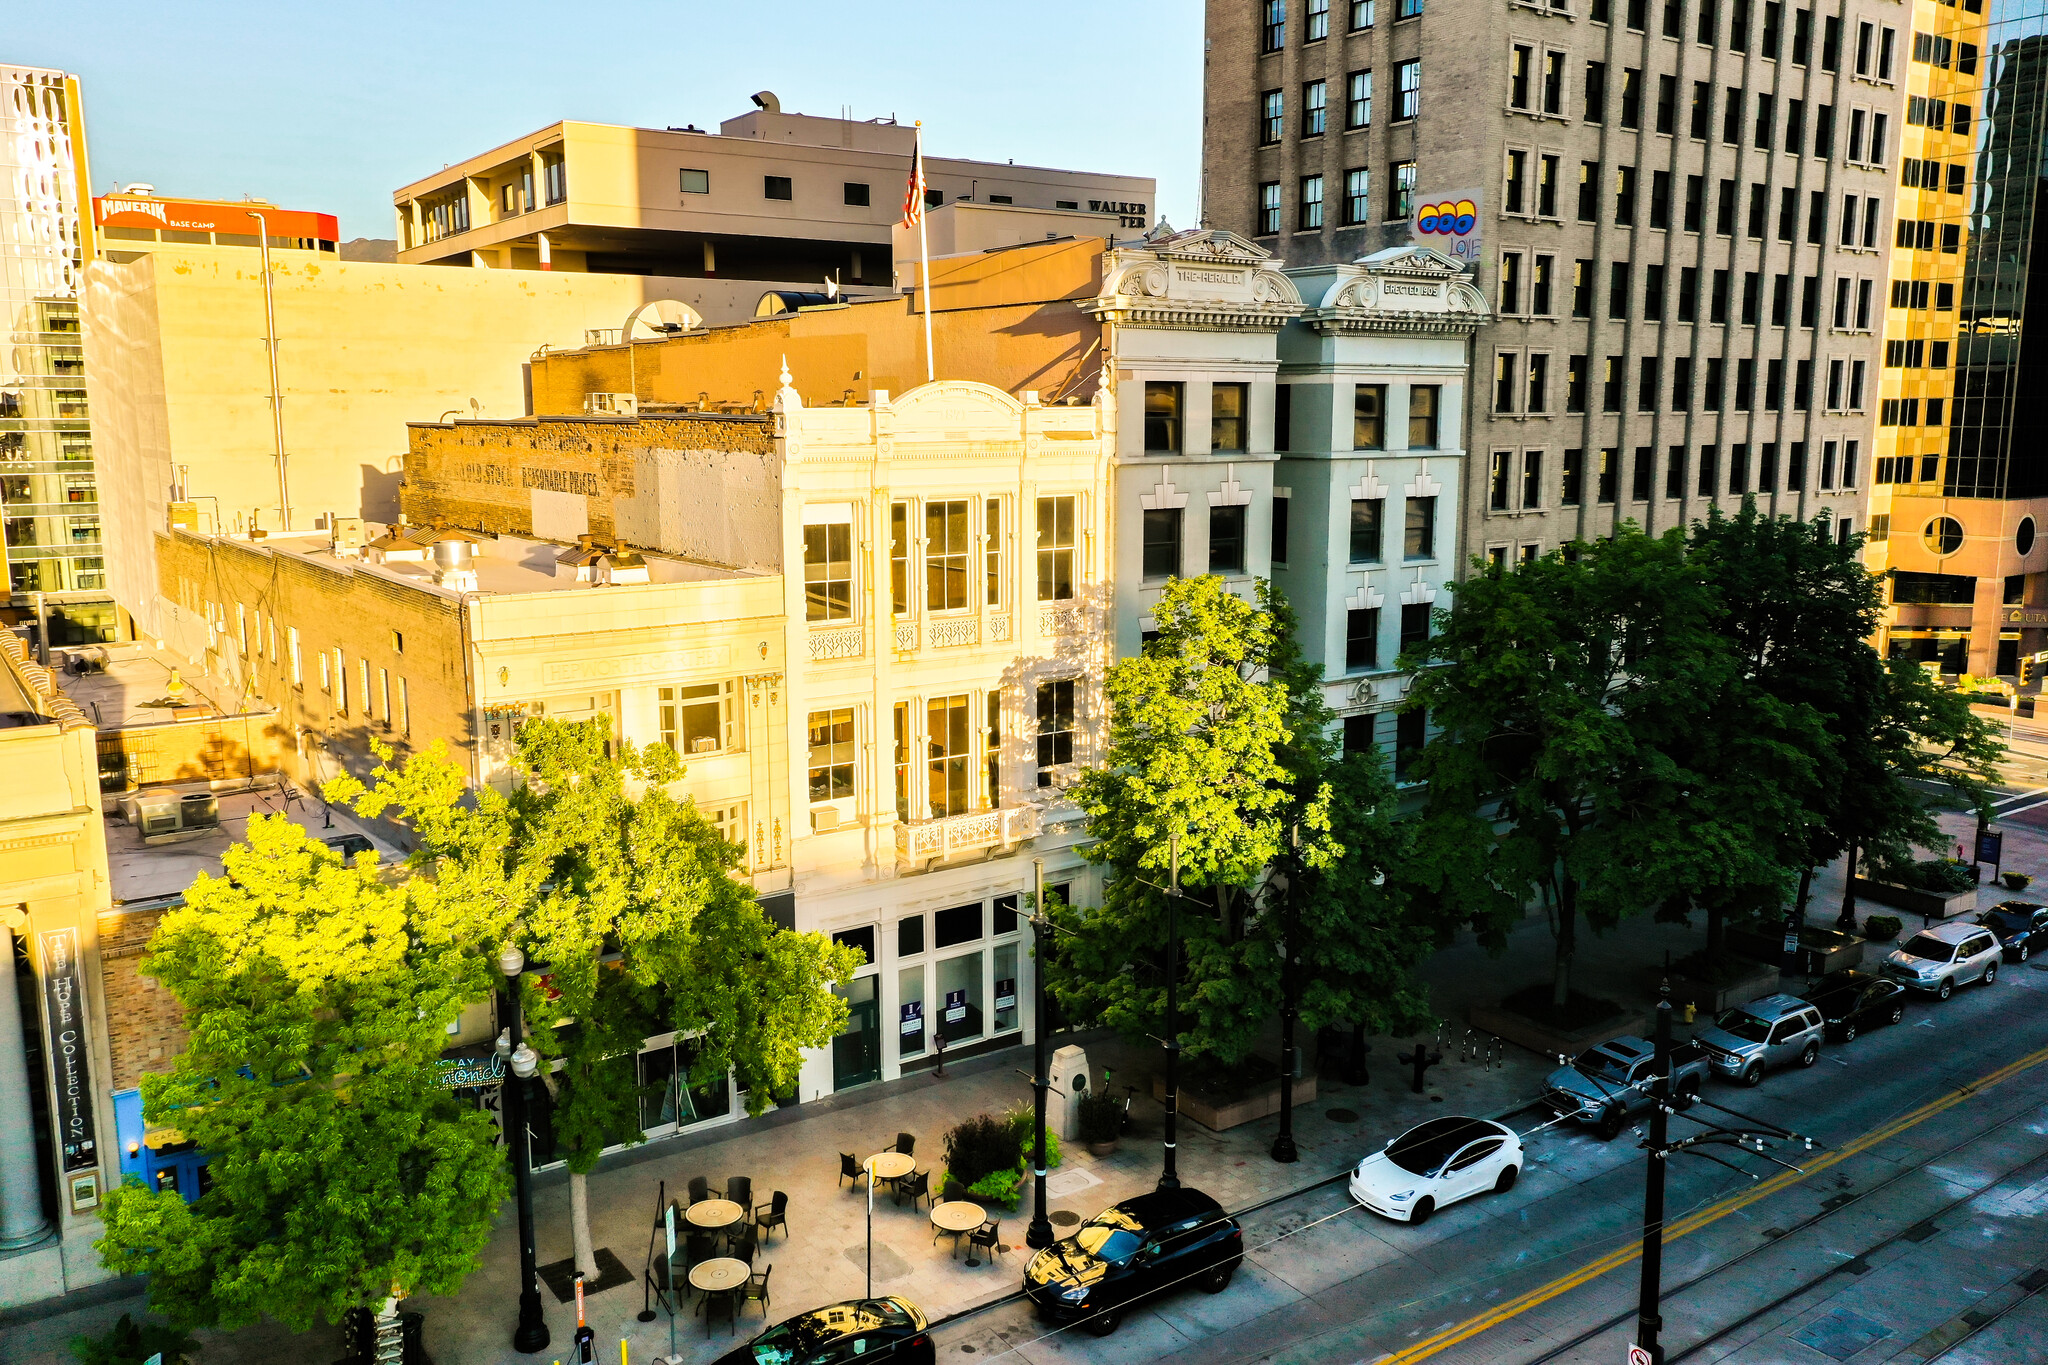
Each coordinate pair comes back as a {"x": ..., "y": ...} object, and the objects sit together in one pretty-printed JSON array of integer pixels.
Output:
[{"x": 917, "y": 840}]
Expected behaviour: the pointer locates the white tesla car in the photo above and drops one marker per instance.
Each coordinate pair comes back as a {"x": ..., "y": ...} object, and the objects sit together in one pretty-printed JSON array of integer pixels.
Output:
[{"x": 1433, "y": 1165}]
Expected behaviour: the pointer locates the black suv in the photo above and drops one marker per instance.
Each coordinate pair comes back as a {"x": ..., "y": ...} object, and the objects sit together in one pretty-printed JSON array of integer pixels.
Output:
[
  {"x": 1853, "y": 1002},
  {"x": 1140, "y": 1247},
  {"x": 866, "y": 1330},
  {"x": 2021, "y": 927}
]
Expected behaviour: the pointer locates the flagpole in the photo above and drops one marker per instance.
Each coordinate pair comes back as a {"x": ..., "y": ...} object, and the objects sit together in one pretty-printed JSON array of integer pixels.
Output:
[{"x": 924, "y": 253}]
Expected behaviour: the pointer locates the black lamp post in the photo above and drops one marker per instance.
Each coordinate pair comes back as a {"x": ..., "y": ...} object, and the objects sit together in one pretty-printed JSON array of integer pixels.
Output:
[
  {"x": 1283, "y": 1144},
  {"x": 1169, "y": 1176},
  {"x": 1649, "y": 1320},
  {"x": 531, "y": 1334},
  {"x": 1039, "y": 1233}
]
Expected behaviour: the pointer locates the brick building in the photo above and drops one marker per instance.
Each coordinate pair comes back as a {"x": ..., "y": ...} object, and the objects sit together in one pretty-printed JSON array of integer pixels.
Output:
[{"x": 1679, "y": 212}]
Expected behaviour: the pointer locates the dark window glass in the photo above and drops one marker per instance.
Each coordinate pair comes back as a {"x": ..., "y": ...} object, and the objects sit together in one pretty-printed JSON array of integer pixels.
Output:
[
  {"x": 961, "y": 924},
  {"x": 910, "y": 936},
  {"x": 1226, "y": 540},
  {"x": 1362, "y": 639},
  {"x": 862, "y": 940},
  {"x": 1162, "y": 542},
  {"x": 1279, "y": 549},
  {"x": 1162, "y": 417}
]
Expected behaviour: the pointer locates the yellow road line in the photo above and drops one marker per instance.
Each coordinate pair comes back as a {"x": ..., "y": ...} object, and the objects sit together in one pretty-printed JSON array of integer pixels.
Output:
[{"x": 1613, "y": 1260}]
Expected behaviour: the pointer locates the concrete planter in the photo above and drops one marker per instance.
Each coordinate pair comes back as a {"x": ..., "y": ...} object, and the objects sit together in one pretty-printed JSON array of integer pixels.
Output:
[
  {"x": 1103, "y": 1148},
  {"x": 1708, "y": 998},
  {"x": 1545, "y": 1041},
  {"x": 1820, "y": 950},
  {"x": 1218, "y": 1110},
  {"x": 1929, "y": 904}
]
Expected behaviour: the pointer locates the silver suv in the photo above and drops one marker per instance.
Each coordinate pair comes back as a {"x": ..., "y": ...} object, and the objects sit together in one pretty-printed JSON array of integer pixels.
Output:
[
  {"x": 1940, "y": 959},
  {"x": 1750, "y": 1039}
]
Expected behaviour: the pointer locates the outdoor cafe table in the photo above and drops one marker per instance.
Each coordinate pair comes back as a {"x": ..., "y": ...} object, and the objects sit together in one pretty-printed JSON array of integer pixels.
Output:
[
  {"x": 958, "y": 1217},
  {"x": 714, "y": 1214},
  {"x": 719, "y": 1275},
  {"x": 891, "y": 1166}
]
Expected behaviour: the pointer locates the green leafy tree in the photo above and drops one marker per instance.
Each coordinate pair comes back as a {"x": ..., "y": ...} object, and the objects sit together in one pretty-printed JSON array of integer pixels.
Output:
[
  {"x": 342, "y": 1172},
  {"x": 625, "y": 897},
  {"x": 1568, "y": 762},
  {"x": 1220, "y": 749}
]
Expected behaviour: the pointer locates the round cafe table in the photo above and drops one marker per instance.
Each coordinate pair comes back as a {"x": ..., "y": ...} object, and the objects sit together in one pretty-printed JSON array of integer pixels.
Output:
[
  {"x": 712, "y": 1215},
  {"x": 892, "y": 1167},
  {"x": 958, "y": 1217},
  {"x": 721, "y": 1275}
]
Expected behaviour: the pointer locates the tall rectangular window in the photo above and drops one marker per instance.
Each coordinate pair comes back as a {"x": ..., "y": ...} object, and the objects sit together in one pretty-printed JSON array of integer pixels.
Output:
[
  {"x": 828, "y": 572},
  {"x": 1625, "y": 196},
  {"x": 1401, "y": 182},
  {"x": 1361, "y": 639},
  {"x": 1357, "y": 196},
  {"x": 1532, "y": 478},
  {"x": 1497, "y": 480},
  {"x": 291, "y": 639},
  {"x": 1572, "y": 479},
  {"x": 1667, "y": 104},
  {"x": 1674, "y": 472},
  {"x": 1056, "y": 547},
  {"x": 1631, "y": 98},
  {"x": 1162, "y": 542},
  {"x": 950, "y": 747},
  {"x": 1505, "y": 372},
  {"x": 1358, "y": 100},
  {"x": 1541, "y": 270},
  {"x": 404, "y": 708},
  {"x": 1419, "y": 540},
  {"x": 1056, "y": 728},
  {"x": 899, "y": 557},
  {"x": 946, "y": 554},
  {"x": 1367, "y": 529},
  {"x": 1162, "y": 417},
  {"x": 992, "y": 551},
  {"x": 1316, "y": 21},
  {"x": 1644, "y": 472},
  {"x": 1226, "y": 539},
  {"x": 1273, "y": 29},
  {"x": 1229, "y": 417},
  {"x": 1596, "y": 92},
  {"x": 1315, "y": 108},
  {"x": 1269, "y": 208},
  {"x": 693, "y": 719},
  {"x": 1278, "y": 550},
  {"x": 1368, "y": 416},
  {"x": 1423, "y": 402},
  {"x": 1310, "y": 214},
  {"x": 1407, "y": 89}
]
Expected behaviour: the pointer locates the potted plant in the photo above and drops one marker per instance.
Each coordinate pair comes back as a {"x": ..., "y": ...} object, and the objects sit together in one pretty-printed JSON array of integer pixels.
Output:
[
  {"x": 2015, "y": 881},
  {"x": 1101, "y": 1119},
  {"x": 1882, "y": 928},
  {"x": 989, "y": 1155}
]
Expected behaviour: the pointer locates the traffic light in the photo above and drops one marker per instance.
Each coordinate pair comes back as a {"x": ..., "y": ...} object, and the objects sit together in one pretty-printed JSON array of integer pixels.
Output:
[{"x": 2026, "y": 669}]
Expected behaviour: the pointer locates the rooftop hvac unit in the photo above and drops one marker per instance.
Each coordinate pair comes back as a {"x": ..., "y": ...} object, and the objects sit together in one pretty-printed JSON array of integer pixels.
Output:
[
  {"x": 347, "y": 533},
  {"x": 611, "y": 405}
]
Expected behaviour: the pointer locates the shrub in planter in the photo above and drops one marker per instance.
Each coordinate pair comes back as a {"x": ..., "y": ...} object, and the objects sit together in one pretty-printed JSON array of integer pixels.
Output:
[
  {"x": 2016, "y": 881},
  {"x": 977, "y": 1146},
  {"x": 1882, "y": 928},
  {"x": 1101, "y": 1118},
  {"x": 1024, "y": 1118},
  {"x": 128, "y": 1342}
]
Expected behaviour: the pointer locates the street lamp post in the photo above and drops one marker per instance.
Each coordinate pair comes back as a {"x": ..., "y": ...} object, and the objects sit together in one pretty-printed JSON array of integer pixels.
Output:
[
  {"x": 1283, "y": 1144},
  {"x": 1649, "y": 1320},
  {"x": 531, "y": 1334},
  {"x": 1169, "y": 1176},
  {"x": 1039, "y": 1233}
]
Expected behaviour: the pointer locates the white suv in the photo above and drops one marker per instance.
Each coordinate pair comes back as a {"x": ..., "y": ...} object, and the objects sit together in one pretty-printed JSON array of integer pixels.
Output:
[{"x": 1938, "y": 960}]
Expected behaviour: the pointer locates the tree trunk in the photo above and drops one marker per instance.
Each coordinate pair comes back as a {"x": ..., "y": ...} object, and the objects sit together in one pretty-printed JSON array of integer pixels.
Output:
[
  {"x": 1805, "y": 890},
  {"x": 1846, "y": 921},
  {"x": 579, "y": 1225},
  {"x": 1567, "y": 941},
  {"x": 1717, "y": 930}
]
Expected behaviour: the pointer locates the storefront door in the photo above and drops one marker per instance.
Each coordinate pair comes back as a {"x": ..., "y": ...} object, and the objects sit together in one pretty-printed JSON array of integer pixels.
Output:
[{"x": 857, "y": 1051}]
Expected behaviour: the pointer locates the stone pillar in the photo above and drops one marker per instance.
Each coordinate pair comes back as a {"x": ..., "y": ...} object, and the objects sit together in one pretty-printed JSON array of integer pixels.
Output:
[{"x": 21, "y": 1202}]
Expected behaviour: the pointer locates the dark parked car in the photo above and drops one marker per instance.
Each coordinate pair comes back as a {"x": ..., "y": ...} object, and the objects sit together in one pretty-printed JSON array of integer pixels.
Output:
[
  {"x": 865, "y": 1330},
  {"x": 1132, "y": 1251},
  {"x": 2021, "y": 927},
  {"x": 1853, "y": 1002}
]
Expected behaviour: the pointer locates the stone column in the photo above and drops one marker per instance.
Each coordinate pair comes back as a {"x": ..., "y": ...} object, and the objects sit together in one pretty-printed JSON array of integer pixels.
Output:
[{"x": 21, "y": 1203}]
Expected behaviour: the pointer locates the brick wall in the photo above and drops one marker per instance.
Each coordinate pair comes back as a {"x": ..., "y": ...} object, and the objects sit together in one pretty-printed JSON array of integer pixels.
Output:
[{"x": 145, "y": 1024}]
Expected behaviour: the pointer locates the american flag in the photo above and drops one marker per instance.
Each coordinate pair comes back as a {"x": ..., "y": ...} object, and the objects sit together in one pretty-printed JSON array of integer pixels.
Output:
[{"x": 913, "y": 197}]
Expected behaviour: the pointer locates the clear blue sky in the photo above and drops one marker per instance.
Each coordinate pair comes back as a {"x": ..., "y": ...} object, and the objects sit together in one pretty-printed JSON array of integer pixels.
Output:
[{"x": 331, "y": 107}]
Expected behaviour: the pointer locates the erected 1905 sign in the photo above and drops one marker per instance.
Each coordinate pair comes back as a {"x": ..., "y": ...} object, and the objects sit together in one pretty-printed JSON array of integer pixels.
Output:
[{"x": 64, "y": 1024}]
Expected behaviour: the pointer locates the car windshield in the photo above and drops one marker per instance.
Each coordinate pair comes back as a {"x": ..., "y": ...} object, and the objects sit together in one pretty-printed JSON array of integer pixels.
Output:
[
  {"x": 1112, "y": 1234},
  {"x": 1605, "y": 1065},
  {"x": 1928, "y": 946},
  {"x": 1743, "y": 1025},
  {"x": 2008, "y": 921},
  {"x": 1423, "y": 1149}
]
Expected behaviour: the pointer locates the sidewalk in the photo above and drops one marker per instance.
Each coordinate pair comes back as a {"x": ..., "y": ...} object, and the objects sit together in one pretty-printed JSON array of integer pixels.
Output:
[{"x": 797, "y": 1151}]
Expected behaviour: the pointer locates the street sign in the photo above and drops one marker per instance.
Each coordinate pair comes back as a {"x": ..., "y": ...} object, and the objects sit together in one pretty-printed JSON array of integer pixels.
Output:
[
  {"x": 1990, "y": 843},
  {"x": 1638, "y": 1356},
  {"x": 668, "y": 1220}
]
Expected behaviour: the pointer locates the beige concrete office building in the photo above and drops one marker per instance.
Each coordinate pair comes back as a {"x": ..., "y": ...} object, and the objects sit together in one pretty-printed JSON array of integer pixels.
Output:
[
  {"x": 771, "y": 197},
  {"x": 1679, "y": 214}
]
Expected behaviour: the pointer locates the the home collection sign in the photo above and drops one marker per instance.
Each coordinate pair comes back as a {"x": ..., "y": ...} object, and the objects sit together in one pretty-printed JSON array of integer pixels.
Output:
[{"x": 64, "y": 1020}]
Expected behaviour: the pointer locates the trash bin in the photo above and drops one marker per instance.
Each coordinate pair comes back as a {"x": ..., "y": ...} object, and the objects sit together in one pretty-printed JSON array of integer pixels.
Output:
[{"x": 1069, "y": 1078}]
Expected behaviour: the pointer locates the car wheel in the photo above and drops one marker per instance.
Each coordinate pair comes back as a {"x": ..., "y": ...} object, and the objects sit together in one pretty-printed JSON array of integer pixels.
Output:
[
  {"x": 1105, "y": 1322},
  {"x": 2021, "y": 955},
  {"x": 1610, "y": 1122},
  {"x": 1991, "y": 971},
  {"x": 1849, "y": 1031},
  {"x": 1811, "y": 1055},
  {"x": 1755, "y": 1074},
  {"x": 1218, "y": 1278},
  {"x": 1507, "y": 1179},
  {"x": 1424, "y": 1207},
  {"x": 1898, "y": 1012},
  {"x": 1945, "y": 989}
]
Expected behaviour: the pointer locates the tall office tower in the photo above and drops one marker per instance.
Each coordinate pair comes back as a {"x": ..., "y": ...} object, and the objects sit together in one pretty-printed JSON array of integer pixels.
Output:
[
  {"x": 51, "y": 504},
  {"x": 1678, "y": 210},
  {"x": 1961, "y": 486}
]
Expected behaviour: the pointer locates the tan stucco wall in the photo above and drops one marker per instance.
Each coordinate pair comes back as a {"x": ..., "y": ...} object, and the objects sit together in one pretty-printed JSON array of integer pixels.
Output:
[{"x": 175, "y": 351}]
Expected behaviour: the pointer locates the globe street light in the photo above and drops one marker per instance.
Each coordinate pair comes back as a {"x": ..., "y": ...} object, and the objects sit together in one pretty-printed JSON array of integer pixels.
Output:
[{"x": 531, "y": 1334}]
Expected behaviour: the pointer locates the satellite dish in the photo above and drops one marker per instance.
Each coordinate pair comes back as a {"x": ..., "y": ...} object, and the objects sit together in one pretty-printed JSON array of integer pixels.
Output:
[{"x": 661, "y": 318}]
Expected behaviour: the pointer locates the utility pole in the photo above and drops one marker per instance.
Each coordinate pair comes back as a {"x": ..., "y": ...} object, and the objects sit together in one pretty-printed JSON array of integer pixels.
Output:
[
  {"x": 1039, "y": 1233},
  {"x": 1649, "y": 1320},
  {"x": 1169, "y": 1177},
  {"x": 1283, "y": 1143}
]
